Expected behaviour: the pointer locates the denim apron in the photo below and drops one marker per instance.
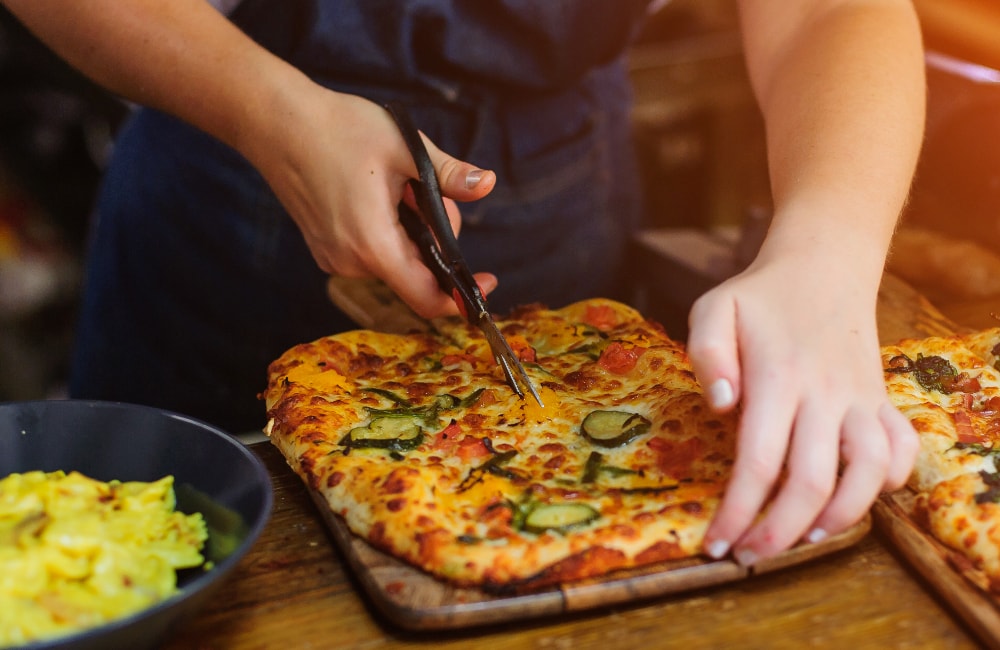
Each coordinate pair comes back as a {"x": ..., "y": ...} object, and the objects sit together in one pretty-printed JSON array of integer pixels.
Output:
[{"x": 197, "y": 278}]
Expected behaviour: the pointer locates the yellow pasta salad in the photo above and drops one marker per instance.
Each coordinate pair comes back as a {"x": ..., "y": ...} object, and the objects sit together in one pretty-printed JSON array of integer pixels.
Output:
[{"x": 76, "y": 552}]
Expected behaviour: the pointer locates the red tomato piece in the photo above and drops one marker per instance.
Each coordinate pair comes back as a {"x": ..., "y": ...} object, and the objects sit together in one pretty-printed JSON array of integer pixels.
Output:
[
  {"x": 963, "y": 424},
  {"x": 619, "y": 359},
  {"x": 447, "y": 438},
  {"x": 522, "y": 348},
  {"x": 602, "y": 317},
  {"x": 470, "y": 447}
]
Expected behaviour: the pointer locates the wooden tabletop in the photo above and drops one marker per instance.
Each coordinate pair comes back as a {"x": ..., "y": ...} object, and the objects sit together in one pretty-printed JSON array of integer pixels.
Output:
[{"x": 294, "y": 590}]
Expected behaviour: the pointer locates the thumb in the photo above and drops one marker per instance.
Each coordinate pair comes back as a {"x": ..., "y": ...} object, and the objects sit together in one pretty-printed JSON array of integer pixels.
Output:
[{"x": 459, "y": 180}]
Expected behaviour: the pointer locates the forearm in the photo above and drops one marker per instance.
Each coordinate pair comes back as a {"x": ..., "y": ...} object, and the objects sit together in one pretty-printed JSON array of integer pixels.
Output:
[
  {"x": 180, "y": 56},
  {"x": 841, "y": 88}
]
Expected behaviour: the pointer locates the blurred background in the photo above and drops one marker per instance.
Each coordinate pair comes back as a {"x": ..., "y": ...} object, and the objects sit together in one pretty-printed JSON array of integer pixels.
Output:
[{"x": 701, "y": 148}]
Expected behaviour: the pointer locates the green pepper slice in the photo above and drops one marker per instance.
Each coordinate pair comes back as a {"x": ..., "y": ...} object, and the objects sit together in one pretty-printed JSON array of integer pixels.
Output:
[
  {"x": 558, "y": 517},
  {"x": 613, "y": 428},
  {"x": 393, "y": 433}
]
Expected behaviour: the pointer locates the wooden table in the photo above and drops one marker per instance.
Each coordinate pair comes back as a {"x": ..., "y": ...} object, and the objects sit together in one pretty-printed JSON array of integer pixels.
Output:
[{"x": 293, "y": 590}]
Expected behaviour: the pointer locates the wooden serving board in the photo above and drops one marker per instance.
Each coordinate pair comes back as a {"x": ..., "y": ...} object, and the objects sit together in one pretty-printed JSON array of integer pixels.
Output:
[
  {"x": 904, "y": 313},
  {"x": 414, "y": 600},
  {"x": 939, "y": 565}
]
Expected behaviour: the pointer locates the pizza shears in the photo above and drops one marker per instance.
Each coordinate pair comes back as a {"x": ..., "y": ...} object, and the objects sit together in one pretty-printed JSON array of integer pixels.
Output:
[{"x": 431, "y": 231}]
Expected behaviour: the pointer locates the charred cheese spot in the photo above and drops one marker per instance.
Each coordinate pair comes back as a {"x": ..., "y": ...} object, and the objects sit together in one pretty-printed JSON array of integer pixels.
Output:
[
  {"x": 364, "y": 362},
  {"x": 399, "y": 480},
  {"x": 418, "y": 390},
  {"x": 624, "y": 531},
  {"x": 377, "y": 534},
  {"x": 660, "y": 551},
  {"x": 693, "y": 507},
  {"x": 474, "y": 420},
  {"x": 431, "y": 542},
  {"x": 403, "y": 370},
  {"x": 671, "y": 426},
  {"x": 581, "y": 381},
  {"x": 555, "y": 462}
]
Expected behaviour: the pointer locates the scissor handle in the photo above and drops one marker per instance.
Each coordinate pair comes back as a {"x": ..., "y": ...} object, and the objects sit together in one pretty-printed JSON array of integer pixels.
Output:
[
  {"x": 448, "y": 265},
  {"x": 439, "y": 247}
]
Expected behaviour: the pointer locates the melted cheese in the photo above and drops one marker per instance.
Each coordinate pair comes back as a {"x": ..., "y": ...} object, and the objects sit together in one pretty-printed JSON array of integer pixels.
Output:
[
  {"x": 324, "y": 380},
  {"x": 530, "y": 411}
]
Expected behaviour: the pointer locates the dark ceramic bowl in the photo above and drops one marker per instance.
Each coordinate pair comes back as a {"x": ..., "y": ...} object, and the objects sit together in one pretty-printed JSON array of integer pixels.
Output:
[{"x": 213, "y": 474}]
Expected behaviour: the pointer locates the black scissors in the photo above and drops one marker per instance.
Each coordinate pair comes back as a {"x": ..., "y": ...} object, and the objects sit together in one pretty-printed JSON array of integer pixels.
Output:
[{"x": 436, "y": 241}]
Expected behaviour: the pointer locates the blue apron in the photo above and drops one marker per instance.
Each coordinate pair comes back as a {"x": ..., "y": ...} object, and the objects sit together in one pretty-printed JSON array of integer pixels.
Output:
[{"x": 196, "y": 276}]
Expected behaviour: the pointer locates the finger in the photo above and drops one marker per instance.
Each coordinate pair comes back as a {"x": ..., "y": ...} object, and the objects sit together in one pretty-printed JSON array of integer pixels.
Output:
[
  {"x": 430, "y": 301},
  {"x": 406, "y": 273},
  {"x": 459, "y": 180},
  {"x": 904, "y": 445},
  {"x": 759, "y": 457},
  {"x": 865, "y": 452},
  {"x": 810, "y": 480},
  {"x": 450, "y": 207},
  {"x": 394, "y": 258},
  {"x": 487, "y": 282},
  {"x": 417, "y": 287},
  {"x": 712, "y": 348}
]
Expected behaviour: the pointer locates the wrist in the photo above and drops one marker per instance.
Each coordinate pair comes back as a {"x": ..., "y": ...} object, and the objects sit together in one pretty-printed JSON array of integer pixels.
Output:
[{"x": 265, "y": 121}]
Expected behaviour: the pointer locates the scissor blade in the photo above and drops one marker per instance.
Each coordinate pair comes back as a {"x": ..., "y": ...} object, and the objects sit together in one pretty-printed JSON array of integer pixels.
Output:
[{"x": 512, "y": 368}]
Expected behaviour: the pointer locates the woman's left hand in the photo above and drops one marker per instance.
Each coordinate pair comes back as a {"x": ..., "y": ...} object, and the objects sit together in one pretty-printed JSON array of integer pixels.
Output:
[{"x": 794, "y": 343}]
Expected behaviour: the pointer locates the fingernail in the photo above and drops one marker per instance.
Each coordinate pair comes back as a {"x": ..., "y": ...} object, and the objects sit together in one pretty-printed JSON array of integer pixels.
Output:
[
  {"x": 472, "y": 178},
  {"x": 746, "y": 557},
  {"x": 720, "y": 393},
  {"x": 816, "y": 535},
  {"x": 718, "y": 549}
]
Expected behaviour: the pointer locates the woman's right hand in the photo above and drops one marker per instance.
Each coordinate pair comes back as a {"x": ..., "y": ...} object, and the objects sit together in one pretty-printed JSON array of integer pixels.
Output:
[{"x": 339, "y": 165}]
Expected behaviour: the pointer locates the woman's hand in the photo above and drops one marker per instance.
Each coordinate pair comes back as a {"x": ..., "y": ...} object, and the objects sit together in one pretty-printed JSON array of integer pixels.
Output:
[
  {"x": 339, "y": 165},
  {"x": 793, "y": 342}
]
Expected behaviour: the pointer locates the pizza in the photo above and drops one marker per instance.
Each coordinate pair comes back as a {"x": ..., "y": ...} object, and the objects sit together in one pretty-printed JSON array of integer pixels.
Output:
[
  {"x": 419, "y": 445},
  {"x": 949, "y": 388}
]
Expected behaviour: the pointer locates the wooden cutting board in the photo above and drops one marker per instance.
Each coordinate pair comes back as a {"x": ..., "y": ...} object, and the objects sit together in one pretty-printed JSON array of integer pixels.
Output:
[
  {"x": 904, "y": 313},
  {"x": 414, "y": 600},
  {"x": 939, "y": 566}
]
